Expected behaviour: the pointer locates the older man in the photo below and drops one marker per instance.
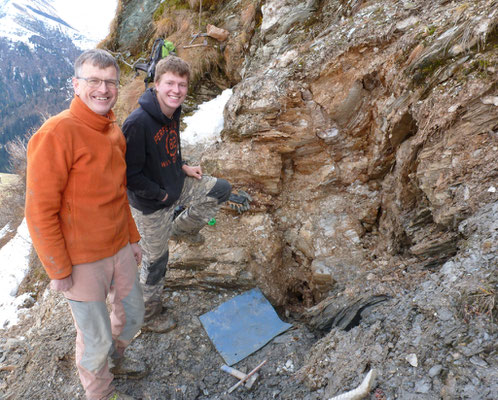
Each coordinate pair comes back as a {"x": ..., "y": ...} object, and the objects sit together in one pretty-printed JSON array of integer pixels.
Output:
[{"x": 80, "y": 221}]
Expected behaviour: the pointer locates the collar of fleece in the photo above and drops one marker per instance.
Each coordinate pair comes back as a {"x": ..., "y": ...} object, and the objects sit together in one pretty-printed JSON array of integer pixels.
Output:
[{"x": 95, "y": 121}]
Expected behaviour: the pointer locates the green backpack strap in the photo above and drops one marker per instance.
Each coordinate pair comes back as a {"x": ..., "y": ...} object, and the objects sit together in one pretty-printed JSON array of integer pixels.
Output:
[{"x": 168, "y": 47}]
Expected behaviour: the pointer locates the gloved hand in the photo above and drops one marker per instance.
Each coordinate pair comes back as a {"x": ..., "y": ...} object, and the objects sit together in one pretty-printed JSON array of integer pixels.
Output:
[
  {"x": 239, "y": 202},
  {"x": 61, "y": 285}
]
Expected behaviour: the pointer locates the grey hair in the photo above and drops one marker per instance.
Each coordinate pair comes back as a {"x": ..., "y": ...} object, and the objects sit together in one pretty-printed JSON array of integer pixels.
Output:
[{"x": 97, "y": 57}]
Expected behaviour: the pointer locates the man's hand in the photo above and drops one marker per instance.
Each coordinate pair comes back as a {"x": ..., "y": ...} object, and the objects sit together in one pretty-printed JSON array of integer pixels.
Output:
[
  {"x": 194, "y": 172},
  {"x": 61, "y": 285},
  {"x": 137, "y": 252}
]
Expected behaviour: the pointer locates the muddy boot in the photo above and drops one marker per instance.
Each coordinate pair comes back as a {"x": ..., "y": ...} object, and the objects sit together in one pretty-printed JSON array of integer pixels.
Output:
[
  {"x": 156, "y": 320},
  {"x": 129, "y": 368},
  {"x": 152, "y": 309},
  {"x": 195, "y": 239},
  {"x": 159, "y": 324}
]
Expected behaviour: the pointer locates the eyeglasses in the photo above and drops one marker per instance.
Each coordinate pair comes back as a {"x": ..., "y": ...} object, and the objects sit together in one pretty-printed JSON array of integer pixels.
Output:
[{"x": 96, "y": 82}]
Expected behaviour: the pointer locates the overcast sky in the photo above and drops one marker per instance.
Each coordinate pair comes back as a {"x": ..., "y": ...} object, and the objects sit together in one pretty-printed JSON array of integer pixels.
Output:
[{"x": 91, "y": 17}]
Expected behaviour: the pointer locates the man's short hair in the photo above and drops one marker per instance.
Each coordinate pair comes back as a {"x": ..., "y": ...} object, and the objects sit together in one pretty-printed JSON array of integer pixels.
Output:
[
  {"x": 172, "y": 64},
  {"x": 97, "y": 57}
]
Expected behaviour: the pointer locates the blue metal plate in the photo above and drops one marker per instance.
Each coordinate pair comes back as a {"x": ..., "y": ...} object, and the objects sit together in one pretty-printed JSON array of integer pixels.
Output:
[{"x": 242, "y": 325}]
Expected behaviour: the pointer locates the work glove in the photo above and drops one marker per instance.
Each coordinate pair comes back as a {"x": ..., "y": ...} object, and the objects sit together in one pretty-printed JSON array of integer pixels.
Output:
[
  {"x": 240, "y": 201},
  {"x": 61, "y": 285}
]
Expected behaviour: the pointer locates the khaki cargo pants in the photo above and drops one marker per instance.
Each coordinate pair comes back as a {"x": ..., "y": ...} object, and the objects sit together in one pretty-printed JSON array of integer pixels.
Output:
[
  {"x": 98, "y": 333},
  {"x": 201, "y": 199}
]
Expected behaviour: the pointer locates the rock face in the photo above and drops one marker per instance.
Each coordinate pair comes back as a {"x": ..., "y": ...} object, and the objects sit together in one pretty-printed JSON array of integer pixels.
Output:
[{"x": 367, "y": 135}]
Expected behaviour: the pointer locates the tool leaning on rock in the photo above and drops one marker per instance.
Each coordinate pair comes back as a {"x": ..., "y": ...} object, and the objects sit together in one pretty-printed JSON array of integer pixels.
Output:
[
  {"x": 240, "y": 375},
  {"x": 246, "y": 378}
]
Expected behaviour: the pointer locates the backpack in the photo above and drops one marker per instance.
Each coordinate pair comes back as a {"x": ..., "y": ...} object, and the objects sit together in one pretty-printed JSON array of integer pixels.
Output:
[{"x": 160, "y": 49}]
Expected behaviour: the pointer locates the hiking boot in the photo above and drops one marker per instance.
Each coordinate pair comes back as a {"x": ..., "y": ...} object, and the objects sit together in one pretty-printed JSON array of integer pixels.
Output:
[
  {"x": 161, "y": 323},
  {"x": 120, "y": 396},
  {"x": 194, "y": 239},
  {"x": 156, "y": 318},
  {"x": 128, "y": 368},
  {"x": 153, "y": 308}
]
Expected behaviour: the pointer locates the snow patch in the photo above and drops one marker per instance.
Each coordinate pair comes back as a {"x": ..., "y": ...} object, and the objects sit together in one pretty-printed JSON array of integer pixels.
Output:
[
  {"x": 206, "y": 124},
  {"x": 6, "y": 229},
  {"x": 15, "y": 259}
]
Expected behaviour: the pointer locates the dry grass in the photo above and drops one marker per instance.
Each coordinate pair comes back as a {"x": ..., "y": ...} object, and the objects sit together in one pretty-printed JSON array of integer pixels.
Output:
[
  {"x": 17, "y": 155},
  {"x": 36, "y": 279},
  {"x": 206, "y": 4},
  {"x": 13, "y": 190},
  {"x": 166, "y": 26},
  {"x": 185, "y": 26},
  {"x": 128, "y": 97},
  {"x": 481, "y": 301},
  {"x": 12, "y": 197},
  {"x": 10, "y": 188},
  {"x": 175, "y": 25},
  {"x": 202, "y": 60},
  {"x": 110, "y": 42}
]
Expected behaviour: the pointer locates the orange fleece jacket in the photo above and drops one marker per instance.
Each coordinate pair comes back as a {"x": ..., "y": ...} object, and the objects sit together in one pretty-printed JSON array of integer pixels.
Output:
[{"x": 76, "y": 204}]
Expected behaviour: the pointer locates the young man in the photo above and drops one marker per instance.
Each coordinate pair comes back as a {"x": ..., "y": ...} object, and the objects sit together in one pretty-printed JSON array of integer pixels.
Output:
[
  {"x": 159, "y": 181},
  {"x": 80, "y": 221}
]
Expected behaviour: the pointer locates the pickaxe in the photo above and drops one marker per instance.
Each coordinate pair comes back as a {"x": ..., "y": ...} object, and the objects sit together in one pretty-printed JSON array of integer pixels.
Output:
[{"x": 244, "y": 379}]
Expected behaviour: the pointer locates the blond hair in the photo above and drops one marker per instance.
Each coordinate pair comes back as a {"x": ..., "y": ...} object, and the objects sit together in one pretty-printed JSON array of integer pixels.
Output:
[{"x": 172, "y": 64}]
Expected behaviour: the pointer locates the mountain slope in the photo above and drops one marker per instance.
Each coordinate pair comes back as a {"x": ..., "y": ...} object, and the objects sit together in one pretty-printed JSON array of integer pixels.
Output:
[
  {"x": 21, "y": 19},
  {"x": 37, "y": 49}
]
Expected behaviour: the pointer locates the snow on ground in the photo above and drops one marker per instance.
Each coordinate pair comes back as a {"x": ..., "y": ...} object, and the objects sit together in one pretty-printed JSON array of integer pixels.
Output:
[
  {"x": 14, "y": 259},
  {"x": 206, "y": 124},
  {"x": 6, "y": 229},
  {"x": 203, "y": 127}
]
